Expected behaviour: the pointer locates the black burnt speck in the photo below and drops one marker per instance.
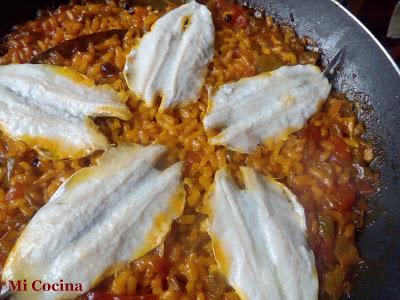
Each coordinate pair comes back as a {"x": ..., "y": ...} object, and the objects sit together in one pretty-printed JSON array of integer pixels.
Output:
[
  {"x": 109, "y": 69},
  {"x": 228, "y": 18},
  {"x": 35, "y": 162},
  {"x": 124, "y": 5}
]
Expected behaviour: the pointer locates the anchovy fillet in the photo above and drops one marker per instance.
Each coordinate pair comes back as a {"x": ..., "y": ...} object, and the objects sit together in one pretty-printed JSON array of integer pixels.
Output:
[
  {"x": 259, "y": 238},
  {"x": 257, "y": 109},
  {"x": 172, "y": 59},
  {"x": 48, "y": 107},
  {"x": 101, "y": 218}
]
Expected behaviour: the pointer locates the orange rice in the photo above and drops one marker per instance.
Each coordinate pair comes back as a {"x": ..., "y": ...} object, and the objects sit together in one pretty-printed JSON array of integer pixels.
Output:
[{"x": 325, "y": 164}]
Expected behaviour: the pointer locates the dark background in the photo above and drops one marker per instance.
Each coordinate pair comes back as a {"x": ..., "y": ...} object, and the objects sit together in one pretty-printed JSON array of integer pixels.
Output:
[{"x": 376, "y": 14}]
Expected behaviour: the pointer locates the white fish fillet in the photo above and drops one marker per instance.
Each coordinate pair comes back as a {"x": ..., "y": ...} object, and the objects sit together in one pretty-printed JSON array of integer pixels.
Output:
[
  {"x": 48, "y": 107},
  {"x": 171, "y": 60},
  {"x": 102, "y": 217},
  {"x": 258, "y": 109},
  {"x": 259, "y": 238}
]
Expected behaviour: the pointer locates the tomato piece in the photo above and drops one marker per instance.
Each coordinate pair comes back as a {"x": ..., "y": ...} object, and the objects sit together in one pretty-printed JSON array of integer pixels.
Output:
[
  {"x": 241, "y": 21},
  {"x": 191, "y": 158},
  {"x": 347, "y": 197},
  {"x": 16, "y": 191},
  {"x": 160, "y": 265},
  {"x": 230, "y": 14},
  {"x": 313, "y": 132},
  {"x": 108, "y": 296}
]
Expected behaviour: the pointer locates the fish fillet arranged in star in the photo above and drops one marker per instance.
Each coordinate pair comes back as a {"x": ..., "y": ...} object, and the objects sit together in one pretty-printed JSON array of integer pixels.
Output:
[
  {"x": 259, "y": 109},
  {"x": 172, "y": 59},
  {"x": 259, "y": 238},
  {"x": 101, "y": 218},
  {"x": 48, "y": 107}
]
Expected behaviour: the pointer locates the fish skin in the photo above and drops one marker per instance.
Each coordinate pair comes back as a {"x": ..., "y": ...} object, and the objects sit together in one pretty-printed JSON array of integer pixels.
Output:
[
  {"x": 49, "y": 106},
  {"x": 259, "y": 238},
  {"x": 171, "y": 61},
  {"x": 101, "y": 218},
  {"x": 262, "y": 108}
]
